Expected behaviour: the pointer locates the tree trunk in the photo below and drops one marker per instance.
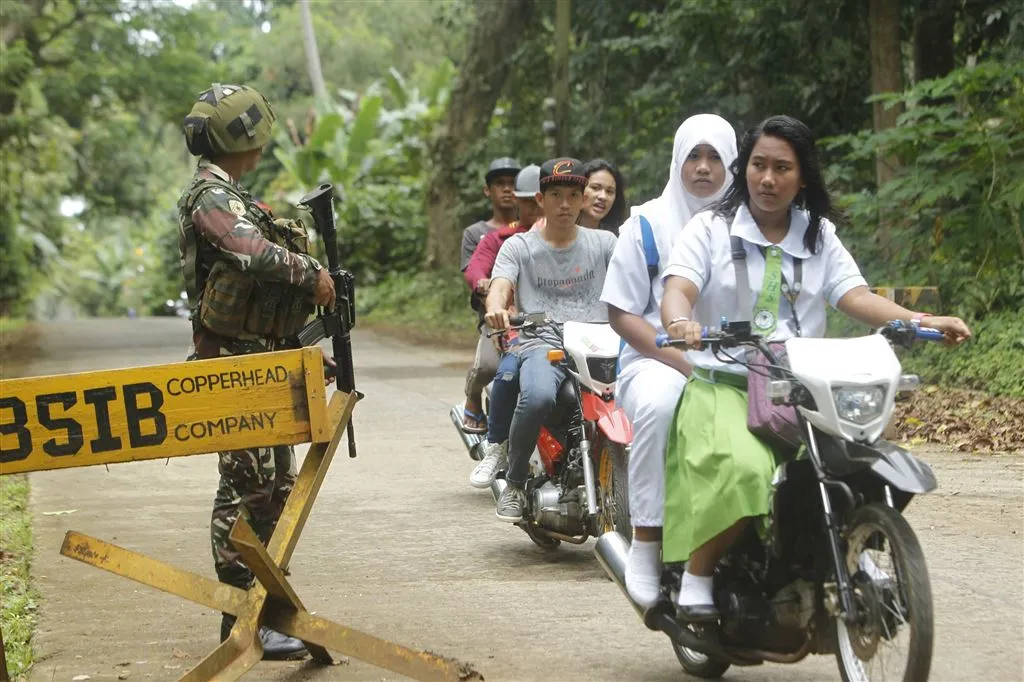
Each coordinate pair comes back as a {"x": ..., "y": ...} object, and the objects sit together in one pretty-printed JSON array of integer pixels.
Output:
[
  {"x": 933, "y": 39},
  {"x": 563, "y": 27},
  {"x": 886, "y": 76},
  {"x": 316, "y": 74},
  {"x": 496, "y": 31}
]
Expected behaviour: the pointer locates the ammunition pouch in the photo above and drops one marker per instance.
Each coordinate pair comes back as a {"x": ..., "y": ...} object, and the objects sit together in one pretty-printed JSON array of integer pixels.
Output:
[{"x": 235, "y": 303}]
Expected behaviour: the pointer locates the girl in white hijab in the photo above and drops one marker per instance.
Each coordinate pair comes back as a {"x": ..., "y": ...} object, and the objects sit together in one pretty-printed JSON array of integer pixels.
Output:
[{"x": 651, "y": 379}]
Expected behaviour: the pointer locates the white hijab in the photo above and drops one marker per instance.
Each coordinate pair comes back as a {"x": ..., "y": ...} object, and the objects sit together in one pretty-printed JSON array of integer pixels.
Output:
[{"x": 676, "y": 206}]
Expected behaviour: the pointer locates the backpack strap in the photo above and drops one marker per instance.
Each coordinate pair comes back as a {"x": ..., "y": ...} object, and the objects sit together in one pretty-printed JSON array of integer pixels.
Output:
[
  {"x": 652, "y": 258},
  {"x": 739, "y": 264},
  {"x": 650, "y": 247}
]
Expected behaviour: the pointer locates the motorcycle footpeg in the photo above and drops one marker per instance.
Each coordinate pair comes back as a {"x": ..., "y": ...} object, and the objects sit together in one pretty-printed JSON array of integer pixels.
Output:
[{"x": 697, "y": 615}]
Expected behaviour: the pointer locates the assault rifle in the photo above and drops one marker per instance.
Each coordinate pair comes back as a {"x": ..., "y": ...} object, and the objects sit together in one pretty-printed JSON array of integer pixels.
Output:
[{"x": 336, "y": 323}]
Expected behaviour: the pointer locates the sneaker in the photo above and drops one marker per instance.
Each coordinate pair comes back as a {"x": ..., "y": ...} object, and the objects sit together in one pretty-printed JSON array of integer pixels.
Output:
[
  {"x": 867, "y": 564},
  {"x": 510, "y": 505},
  {"x": 495, "y": 458}
]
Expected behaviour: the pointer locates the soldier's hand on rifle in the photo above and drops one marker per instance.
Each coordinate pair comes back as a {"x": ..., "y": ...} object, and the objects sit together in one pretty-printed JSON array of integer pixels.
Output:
[
  {"x": 323, "y": 293},
  {"x": 332, "y": 374}
]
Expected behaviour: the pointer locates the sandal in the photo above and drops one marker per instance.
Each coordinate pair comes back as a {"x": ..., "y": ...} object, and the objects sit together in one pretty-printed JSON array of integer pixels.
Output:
[{"x": 478, "y": 417}]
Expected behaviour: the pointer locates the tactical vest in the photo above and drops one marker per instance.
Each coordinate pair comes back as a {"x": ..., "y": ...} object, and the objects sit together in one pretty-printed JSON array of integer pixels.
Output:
[{"x": 226, "y": 300}]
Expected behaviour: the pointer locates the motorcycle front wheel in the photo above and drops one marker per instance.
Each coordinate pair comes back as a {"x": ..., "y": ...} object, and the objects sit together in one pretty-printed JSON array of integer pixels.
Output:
[
  {"x": 613, "y": 489},
  {"x": 892, "y": 636}
]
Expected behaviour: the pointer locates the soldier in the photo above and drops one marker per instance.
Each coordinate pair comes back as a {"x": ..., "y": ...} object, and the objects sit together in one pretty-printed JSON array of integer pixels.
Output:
[{"x": 251, "y": 286}]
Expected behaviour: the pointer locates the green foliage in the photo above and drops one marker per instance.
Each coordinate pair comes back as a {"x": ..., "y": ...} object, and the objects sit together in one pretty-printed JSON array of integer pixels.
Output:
[
  {"x": 955, "y": 206},
  {"x": 376, "y": 158},
  {"x": 434, "y": 298},
  {"x": 19, "y": 599},
  {"x": 990, "y": 361}
]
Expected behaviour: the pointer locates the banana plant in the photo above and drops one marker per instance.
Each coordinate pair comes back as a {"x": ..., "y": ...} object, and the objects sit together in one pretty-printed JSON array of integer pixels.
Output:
[{"x": 336, "y": 150}]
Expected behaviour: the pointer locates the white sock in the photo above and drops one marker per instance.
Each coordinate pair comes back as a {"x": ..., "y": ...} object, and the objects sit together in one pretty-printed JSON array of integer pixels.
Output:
[
  {"x": 643, "y": 572},
  {"x": 696, "y": 590},
  {"x": 867, "y": 564}
]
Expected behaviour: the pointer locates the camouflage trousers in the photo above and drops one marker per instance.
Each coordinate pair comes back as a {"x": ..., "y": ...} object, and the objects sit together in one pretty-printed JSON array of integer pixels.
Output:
[{"x": 255, "y": 484}]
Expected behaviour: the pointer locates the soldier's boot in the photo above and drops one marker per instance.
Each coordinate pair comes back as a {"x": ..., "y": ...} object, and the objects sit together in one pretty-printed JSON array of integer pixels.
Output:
[{"x": 276, "y": 646}]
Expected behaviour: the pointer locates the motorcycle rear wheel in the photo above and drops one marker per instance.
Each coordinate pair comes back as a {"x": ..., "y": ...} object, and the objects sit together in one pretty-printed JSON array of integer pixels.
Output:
[
  {"x": 613, "y": 489},
  {"x": 887, "y": 608}
]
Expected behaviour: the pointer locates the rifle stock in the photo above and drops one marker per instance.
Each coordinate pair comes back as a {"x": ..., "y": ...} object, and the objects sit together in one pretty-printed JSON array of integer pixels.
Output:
[{"x": 336, "y": 323}]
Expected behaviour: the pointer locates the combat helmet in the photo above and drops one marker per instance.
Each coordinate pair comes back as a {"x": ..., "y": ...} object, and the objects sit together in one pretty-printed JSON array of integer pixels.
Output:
[{"x": 227, "y": 119}]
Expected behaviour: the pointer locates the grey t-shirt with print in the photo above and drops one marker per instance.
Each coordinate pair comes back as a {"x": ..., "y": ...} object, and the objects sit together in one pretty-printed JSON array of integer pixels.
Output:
[{"x": 565, "y": 282}]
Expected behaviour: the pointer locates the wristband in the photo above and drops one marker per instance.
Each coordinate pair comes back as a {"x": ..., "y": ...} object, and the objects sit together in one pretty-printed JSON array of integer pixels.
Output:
[
  {"x": 917, "y": 317},
  {"x": 681, "y": 318}
]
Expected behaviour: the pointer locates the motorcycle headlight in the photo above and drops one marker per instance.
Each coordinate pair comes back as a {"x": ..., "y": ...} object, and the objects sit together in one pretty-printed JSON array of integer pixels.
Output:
[{"x": 859, "y": 405}]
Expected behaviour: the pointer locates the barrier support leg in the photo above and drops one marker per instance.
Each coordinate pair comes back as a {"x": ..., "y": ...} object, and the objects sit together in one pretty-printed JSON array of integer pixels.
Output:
[{"x": 271, "y": 600}]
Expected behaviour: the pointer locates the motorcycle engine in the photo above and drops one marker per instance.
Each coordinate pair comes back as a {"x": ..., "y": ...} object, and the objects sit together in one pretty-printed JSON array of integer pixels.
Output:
[
  {"x": 562, "y": 514},
  {"x": 793, "y": 605},
  {"x": 749, "y": 620}
]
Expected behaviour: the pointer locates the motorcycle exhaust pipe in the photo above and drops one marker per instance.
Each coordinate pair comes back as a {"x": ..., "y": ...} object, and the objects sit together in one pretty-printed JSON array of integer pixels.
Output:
[
  {"x": 612, "y": 551},
  {"x": 470, "y": 440},
  {"x": 498, "y": 486}
]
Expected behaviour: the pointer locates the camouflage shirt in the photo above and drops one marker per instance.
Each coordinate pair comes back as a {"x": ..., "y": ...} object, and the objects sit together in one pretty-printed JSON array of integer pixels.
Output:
[
  {"x": 224, "y": 228},
  {"x": 221, "y": 221}
]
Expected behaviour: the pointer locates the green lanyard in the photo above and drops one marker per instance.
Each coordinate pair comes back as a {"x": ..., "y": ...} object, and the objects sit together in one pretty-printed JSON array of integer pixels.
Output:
[{"x": 766, "y": 312}]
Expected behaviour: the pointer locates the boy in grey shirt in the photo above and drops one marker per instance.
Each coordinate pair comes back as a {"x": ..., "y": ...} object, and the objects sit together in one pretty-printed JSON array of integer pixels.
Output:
[{"x": 558, "y": 270}]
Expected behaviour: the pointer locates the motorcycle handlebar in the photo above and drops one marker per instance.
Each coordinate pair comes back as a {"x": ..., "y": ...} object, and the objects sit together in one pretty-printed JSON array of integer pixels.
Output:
[{"x": 897, "y": 330}]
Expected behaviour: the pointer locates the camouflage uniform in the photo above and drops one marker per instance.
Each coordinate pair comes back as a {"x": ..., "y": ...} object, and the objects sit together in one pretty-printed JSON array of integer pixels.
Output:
[{"x": 223, "y": 227}]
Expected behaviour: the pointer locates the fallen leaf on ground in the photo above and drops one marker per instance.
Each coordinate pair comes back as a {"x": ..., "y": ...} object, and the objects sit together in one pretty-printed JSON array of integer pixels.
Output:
[
  {"x": 969, "y": 421},
  {"x": 178, "y": 653}
]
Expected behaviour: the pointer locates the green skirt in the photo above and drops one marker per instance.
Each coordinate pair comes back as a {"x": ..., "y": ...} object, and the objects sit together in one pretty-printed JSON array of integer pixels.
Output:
[{"x": 716, "y": 471}]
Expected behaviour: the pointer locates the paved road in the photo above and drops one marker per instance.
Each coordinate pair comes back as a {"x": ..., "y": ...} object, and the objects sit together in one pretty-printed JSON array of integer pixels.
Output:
[{"x": 400, "y": 546}]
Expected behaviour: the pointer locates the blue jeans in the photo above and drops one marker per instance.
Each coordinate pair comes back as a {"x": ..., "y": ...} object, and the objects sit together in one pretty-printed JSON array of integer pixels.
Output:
[
  {"x": 538, "y": 381},
  {"x": 504, "y": 391}
]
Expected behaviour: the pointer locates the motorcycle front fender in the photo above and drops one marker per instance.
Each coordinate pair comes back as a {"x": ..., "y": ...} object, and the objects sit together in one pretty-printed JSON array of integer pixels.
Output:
[
  {"x": 616, "y": 427},
  {"x": 611, "y": 420},
  {"x": 896, "y": 466}
]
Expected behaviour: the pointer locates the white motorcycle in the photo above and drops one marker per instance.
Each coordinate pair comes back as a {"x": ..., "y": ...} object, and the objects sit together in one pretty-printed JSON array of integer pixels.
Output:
[
  {"x": 577, "y": 486},
  {"x": 839, "y": 570}
]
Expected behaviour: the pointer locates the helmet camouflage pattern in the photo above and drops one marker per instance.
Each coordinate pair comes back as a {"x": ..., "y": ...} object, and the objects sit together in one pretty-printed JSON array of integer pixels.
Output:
[{"x": 227, "y": 119}]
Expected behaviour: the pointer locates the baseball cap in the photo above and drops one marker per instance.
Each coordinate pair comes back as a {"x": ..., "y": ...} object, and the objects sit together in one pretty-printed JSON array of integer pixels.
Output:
[
  {"x": 528, "y": 182},
  {"x": 562, "y": 171},
  {"x": 506, "y": 165}
]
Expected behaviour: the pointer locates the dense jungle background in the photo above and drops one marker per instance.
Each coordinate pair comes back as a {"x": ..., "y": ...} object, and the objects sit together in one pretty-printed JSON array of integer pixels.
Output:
[{"x": 919, "y": 106}]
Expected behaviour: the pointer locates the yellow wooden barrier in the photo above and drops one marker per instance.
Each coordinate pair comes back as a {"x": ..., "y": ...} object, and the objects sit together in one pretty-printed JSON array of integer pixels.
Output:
[
  {"x": 194, "y": 408},
  {"x": 925, "y": 299}
]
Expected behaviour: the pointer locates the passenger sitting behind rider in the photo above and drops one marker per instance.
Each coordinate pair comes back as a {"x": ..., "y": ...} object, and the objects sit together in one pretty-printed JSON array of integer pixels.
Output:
[{"x": 558, "y": 270}]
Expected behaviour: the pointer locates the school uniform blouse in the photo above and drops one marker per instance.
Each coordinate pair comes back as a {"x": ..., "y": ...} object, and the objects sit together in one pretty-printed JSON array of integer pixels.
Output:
[
  {"x": 702, "y": 254},
  {"x": 628, "y": 285}
]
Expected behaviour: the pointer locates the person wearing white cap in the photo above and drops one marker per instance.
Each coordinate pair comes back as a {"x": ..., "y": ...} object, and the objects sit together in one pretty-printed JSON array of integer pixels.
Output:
[
  {"x": 651, "y": 379},
  {"x": 499, "y": 187}
]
